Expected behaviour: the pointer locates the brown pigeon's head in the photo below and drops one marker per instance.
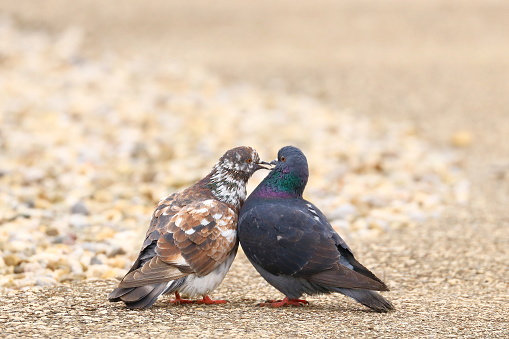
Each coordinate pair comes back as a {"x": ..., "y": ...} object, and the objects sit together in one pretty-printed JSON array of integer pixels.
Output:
[
  {"x": 244, "y": 160},
  {"x": 230, "y": 175}
]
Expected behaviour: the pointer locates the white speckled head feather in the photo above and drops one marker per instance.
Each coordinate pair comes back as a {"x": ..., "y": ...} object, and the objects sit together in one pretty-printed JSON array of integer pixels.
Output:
[{"x": 230, "y": 175}]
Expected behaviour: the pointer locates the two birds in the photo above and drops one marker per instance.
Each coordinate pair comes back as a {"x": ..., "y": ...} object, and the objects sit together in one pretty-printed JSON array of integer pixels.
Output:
[{"x": 192, "y": 239}]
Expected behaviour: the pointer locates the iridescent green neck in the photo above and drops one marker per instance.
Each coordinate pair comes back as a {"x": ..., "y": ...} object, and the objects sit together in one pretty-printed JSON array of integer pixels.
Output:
[{"x": 281, "y": 185}]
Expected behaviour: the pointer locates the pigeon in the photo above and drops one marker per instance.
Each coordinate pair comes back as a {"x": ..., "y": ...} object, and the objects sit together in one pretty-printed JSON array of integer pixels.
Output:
[
  {"x": 192, "y": 238},
  {"x": 292, "y": 245}
]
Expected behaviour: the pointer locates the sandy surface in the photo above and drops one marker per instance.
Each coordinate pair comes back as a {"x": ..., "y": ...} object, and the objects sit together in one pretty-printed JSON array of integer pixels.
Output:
[{"x": 442, "y": 65}]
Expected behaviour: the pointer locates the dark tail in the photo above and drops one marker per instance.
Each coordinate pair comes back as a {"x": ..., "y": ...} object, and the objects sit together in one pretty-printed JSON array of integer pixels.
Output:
[
  {"x": 139, "y": 297},
  {"x": 368, "y": 298}
]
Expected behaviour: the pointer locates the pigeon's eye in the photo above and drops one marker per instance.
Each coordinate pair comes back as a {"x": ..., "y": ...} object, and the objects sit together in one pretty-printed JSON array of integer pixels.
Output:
[
  {"x": 249, "y": 161},
  {"x": 283, "y": 159}
]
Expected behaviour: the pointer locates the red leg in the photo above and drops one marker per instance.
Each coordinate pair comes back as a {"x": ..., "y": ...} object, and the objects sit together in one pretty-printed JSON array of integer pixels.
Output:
[
  {"x": 207, "y": 301},
  {"x": 178, "y": 300},
  {"x": 285, "y": 302}
]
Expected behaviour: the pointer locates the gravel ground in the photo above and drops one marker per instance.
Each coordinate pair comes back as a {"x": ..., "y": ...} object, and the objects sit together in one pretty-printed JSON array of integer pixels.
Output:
[
  {"x": 429, "y": 220},
  {"x": 440, "y": 294}
]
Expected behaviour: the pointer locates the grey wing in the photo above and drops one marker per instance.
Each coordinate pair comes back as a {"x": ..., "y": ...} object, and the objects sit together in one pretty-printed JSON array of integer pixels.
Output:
[
  {"x": 346, "y": 257},
  {"x": 291, "y": 240}
]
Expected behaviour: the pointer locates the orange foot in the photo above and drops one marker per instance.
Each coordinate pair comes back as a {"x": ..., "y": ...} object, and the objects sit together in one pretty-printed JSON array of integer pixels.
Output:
[
  {"x": 284, "y": 302},
  {"x": 178, "y": 300},
  {"x": 207, "y": 301}
]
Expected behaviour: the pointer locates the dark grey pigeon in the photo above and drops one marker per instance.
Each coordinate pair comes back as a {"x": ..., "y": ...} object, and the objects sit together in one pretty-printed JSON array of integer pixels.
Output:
[{"x": 292, "y": 245}]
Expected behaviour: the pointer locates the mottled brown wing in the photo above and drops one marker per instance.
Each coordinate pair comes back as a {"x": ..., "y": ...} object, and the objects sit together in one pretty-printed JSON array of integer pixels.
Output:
[
  {"x": 166, "y": 208},
  {"x": 201, "y": 236},
  {"x": 164, "y": 211},
  {"x": 196, "y": 239}
]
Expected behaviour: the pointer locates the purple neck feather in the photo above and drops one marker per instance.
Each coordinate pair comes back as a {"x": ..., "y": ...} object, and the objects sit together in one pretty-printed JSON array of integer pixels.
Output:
[{"x": 272, "y": 192}]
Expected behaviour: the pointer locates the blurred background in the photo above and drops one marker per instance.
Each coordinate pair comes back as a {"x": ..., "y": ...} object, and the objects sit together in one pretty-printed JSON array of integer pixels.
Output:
[{"x": 401, "y": 108}]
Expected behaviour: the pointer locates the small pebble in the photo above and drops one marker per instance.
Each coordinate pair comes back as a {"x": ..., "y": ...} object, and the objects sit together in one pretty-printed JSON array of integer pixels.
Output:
[
  {"x": 462, "y": 139},
  {"x": 11, "y": 260},
  {"x": 45, "y": 281},
  {"x": 79, "y": 208}
]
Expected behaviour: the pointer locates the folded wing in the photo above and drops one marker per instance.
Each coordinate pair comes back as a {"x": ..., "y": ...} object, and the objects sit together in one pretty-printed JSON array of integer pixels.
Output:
[
  {"x": 194, "y": 239},
  {"x": 285, "y": 240}
]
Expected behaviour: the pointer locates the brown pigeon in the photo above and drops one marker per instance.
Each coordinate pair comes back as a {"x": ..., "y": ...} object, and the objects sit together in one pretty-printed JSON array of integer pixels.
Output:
[{"x": 192, "y": 239}]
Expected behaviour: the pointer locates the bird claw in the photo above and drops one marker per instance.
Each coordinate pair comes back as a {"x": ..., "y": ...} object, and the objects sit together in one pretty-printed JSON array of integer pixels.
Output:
[
  {"x": 178, "y": 300},
  {"x": 284, "y": 302},
  {"x": 181, "y": 301},
  {"x": 207, "y": 301}
]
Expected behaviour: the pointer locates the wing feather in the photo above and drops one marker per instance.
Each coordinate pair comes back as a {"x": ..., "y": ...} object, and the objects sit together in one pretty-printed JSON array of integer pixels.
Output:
[
  {"x": 292, "y": 241},
  {"x": 182, "y": 240}
]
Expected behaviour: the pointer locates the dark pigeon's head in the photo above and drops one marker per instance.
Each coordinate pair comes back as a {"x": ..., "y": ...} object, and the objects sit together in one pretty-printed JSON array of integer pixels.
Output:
[
  {"x": 291, "y": 159},
  {"x": 289, "y": 175}
]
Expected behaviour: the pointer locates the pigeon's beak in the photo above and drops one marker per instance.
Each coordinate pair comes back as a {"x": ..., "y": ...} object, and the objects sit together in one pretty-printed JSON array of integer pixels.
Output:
[
  {"x": 265, "y": 165},
  {"x": 273, "y": 162}
]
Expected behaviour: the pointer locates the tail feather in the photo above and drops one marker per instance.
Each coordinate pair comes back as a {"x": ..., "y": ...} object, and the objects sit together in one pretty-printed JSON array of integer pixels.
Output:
[
  {"x": 143, "y": 296},
  {"x": 138, "y": 293},
  {"x": 117, "y": 293},
  {"x": 138, "y": 297},
  {"x": 368, "y": 298},
  {"x": 148, "y": 299}
]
